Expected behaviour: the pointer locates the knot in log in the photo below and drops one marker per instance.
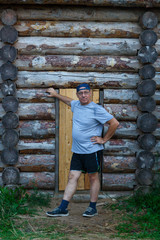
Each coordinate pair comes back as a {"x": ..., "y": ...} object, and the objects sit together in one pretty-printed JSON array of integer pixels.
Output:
[
  {"x": 9, "y": 156},
  {"x": 145, "y": 159},
  {"x": 10, "y": 175}
]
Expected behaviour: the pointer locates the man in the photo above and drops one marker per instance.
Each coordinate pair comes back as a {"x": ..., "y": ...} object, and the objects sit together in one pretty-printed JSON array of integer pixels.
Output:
[{"x": 87, "y": 145}]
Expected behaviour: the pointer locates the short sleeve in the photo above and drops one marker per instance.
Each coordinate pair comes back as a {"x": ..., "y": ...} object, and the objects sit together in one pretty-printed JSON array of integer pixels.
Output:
[
  {"x": 73, "y": 102},
  {"x": 102, "y": 115}
]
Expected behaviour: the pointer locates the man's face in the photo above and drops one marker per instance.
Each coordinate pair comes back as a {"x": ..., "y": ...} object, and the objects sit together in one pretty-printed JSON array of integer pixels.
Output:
[{"x": 84, "y": 96}]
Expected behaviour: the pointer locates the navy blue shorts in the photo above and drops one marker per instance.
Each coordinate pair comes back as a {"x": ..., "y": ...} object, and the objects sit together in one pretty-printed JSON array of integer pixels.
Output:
[{"x": 87, "y": 163}]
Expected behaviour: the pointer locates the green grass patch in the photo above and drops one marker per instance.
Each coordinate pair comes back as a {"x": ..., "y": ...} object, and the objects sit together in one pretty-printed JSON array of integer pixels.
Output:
[{"x": 141, "y": 216}]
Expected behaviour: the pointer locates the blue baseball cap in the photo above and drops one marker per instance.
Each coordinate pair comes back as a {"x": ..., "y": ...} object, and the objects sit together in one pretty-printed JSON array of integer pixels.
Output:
[{"x": 83, "y": 86}]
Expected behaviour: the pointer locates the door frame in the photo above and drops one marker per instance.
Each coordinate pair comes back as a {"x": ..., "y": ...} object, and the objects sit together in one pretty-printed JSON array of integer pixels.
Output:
[{"x": 101, "y": 98}]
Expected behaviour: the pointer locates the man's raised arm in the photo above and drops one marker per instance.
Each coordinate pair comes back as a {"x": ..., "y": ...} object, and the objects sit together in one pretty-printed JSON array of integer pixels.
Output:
[{"x": 52, "y": 93}]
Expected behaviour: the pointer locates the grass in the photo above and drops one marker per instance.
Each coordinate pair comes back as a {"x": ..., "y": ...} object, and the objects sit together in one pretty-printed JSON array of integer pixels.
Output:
[{"x": 141, "y": 218}]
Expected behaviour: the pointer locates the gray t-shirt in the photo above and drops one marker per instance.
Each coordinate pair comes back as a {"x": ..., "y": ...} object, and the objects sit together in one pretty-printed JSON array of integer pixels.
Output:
[{"x": 88, "y": 121}]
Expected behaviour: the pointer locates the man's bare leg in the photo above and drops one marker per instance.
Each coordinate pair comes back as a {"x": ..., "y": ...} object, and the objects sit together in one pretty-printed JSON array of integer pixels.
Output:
[
  {"x": 94, "y": 186},
  {"x": 94, "y": 190},
  {"x": 71, "y": 185}
]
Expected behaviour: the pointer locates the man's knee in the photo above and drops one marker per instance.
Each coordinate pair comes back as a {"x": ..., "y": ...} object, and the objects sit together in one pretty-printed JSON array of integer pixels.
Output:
[
  {"x": 93, "y": 177},
  {"x": 74, "y": 175}
]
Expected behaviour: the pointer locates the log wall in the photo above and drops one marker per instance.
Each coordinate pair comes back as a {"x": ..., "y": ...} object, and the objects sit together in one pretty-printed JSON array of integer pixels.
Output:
[{"x": 62, "y": 46}]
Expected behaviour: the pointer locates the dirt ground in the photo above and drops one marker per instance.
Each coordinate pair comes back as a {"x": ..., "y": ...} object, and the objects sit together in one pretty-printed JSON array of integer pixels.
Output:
[{"x": 98, "y": 227}]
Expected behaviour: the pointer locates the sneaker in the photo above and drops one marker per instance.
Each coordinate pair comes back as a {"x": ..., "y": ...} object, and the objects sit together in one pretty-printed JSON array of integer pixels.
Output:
[
  {"x": 57, "y": 212},
  {"x": 90, "y": 212}
]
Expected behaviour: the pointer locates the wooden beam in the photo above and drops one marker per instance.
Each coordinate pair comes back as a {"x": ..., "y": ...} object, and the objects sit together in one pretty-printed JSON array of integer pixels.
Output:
[
  {"x": 119, "y": 182},
  {"x": 125, "y": 96},
  {"x": 79, "y": 29},
  {"x": 115, "y": 3},
  {"x": 79, "y": 63},
  {"x": 34, "y": 163},
  {"x": 41, "y": 146},
  {"x": 127, "y": 112},
  {"x": 119, "y": 164},
  {"x": 78, "y": 46},
  {"x": 41, "y": 180},
  {"x": 58, "y": 79},
  {"x": 77, "y": 13}
]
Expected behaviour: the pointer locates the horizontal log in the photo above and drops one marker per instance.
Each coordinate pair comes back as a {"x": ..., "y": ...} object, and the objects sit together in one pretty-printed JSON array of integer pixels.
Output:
[
  {"x": 34, "y": 163},
  {"x": 113, "y": 181},
  {"x": 34, "y": 111},
  {"x": 110, "y": 96},
  {"x": 78, "y": 29},
  {"x": 123, "y": 147},
  {"x": 27, "y": 79},
  {"x": 40, "y": 129},
  {"x": 126, "y": 96},
  {"x": 127, "y": 112},
  {"x": 40, "y": 180},
  {"x": 77, "y": 13},
  {"x": 80, "y": 63},
  {"x": 32, "y": 95},
  {"x": 115, "y": 3},
  {"x": 125, "y": 130},
  {"x": 78, "y": 46},
  {"x": 41, "y": 146},
  {"x": 72, "y": 79},
  {"x": 36, "y": 129},
  {"x": 34, "y": 146},
  {"x": 119, "y": 164}
]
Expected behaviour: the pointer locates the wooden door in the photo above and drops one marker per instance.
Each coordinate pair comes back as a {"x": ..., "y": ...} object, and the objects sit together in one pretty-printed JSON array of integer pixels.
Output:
[{"x": 65, "y": 140}]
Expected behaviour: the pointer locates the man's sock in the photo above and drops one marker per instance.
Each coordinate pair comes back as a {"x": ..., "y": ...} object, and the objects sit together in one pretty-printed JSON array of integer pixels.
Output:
[
  {"x": 92, "y": 205},
  {"x": 64, "y": 204}
]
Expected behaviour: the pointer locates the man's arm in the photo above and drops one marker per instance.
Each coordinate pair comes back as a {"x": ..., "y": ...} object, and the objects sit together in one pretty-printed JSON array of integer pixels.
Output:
[
  {"x": 53, "y": 93},
  {"x": 113, "y": 124}
]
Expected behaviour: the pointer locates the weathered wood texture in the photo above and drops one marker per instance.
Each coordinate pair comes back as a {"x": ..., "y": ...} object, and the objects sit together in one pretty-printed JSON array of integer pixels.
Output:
[
  {"x": 119, "y": 164},
  {"x": 35, "y": 163},
  {"x": 121, "y": 181},
  {"x": 124, "y": 3},
  {"x": 85, "y": 46},
  {"x": 62, "y": 79},
  {"x": 80, "y": 63},
  {"x": 41, "y": 180}
]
